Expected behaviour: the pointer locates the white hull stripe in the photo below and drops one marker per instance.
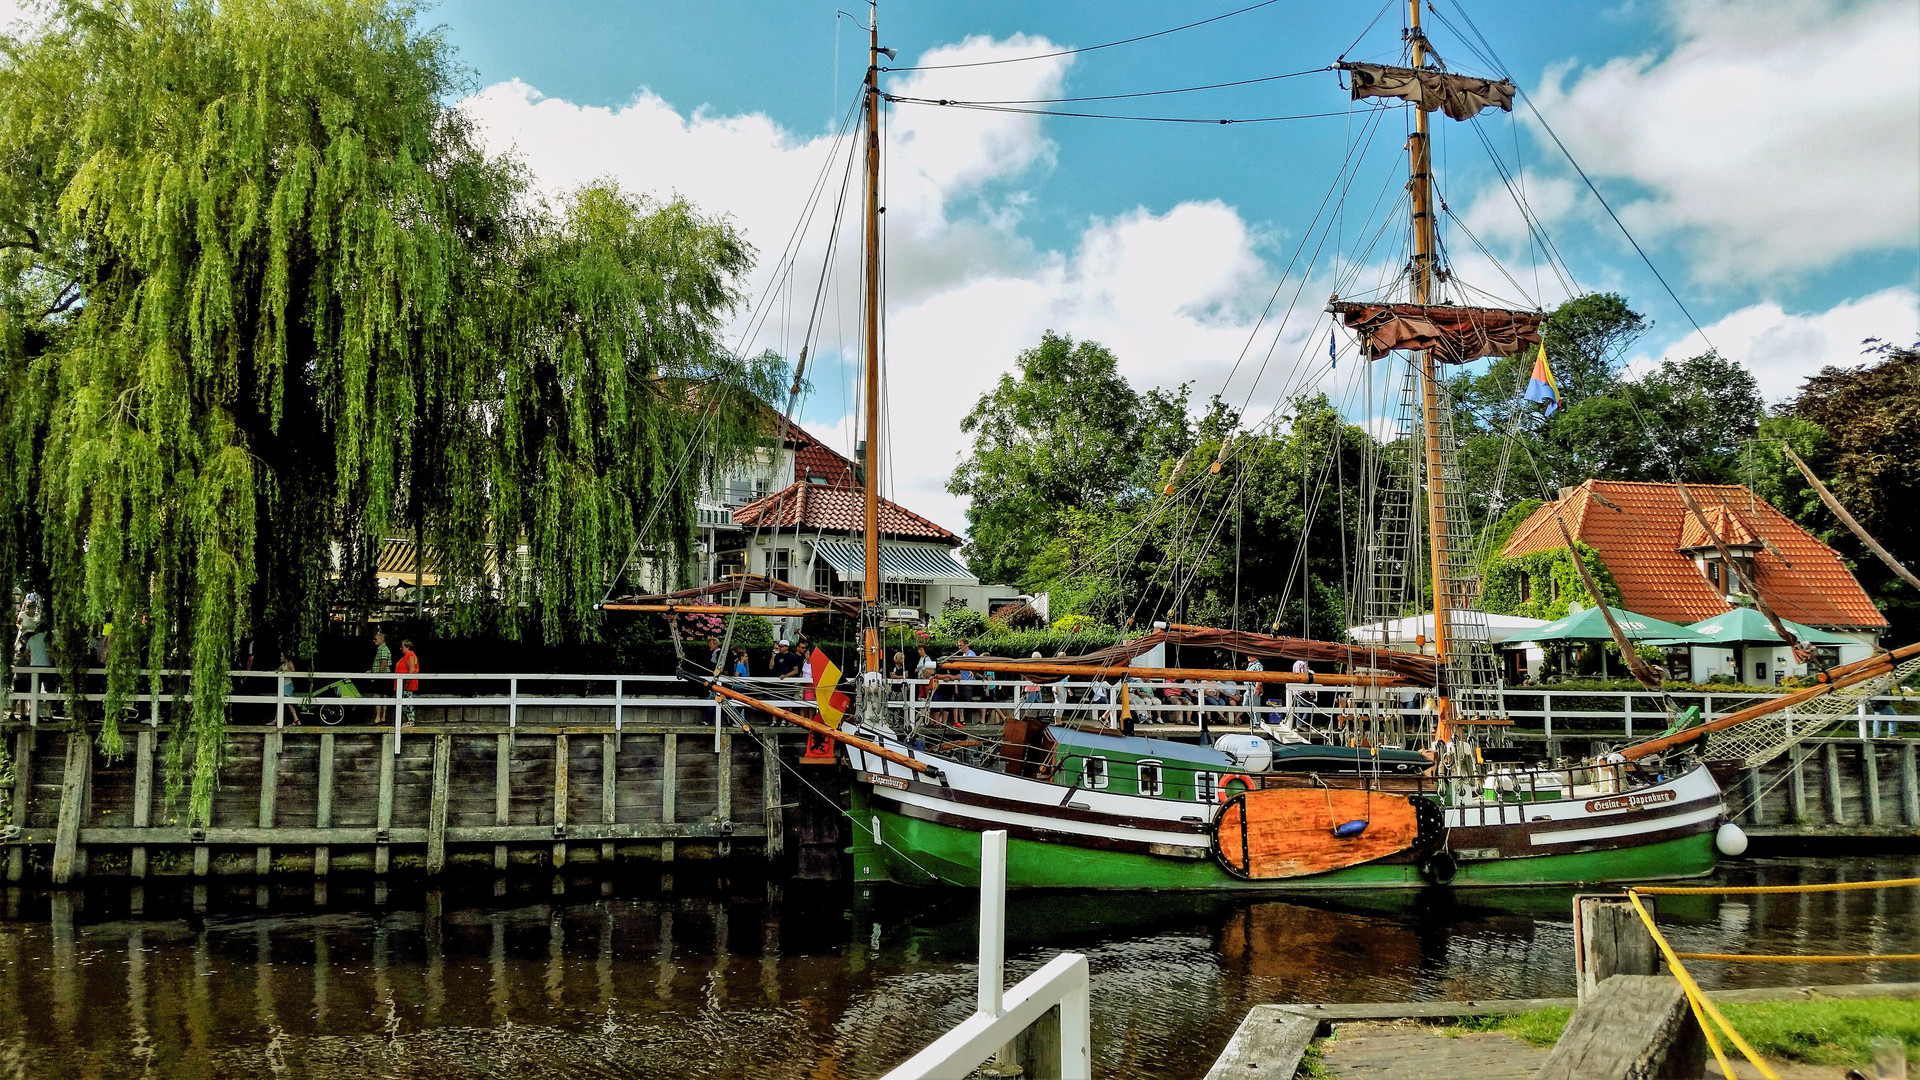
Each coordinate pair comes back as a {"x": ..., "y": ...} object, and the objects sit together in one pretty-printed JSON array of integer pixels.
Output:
[
  {"x": 996, "y": 816},
  {"x": 1624, "y": 828}
]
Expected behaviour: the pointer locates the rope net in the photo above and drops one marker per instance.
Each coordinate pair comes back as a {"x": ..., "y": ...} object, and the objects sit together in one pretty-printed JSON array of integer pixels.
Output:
[{"x": 1762, "y": 739}]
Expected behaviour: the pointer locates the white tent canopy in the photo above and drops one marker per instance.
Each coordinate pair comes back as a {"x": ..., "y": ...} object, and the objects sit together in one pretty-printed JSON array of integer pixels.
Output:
[{"x": 1467, "y": 626}]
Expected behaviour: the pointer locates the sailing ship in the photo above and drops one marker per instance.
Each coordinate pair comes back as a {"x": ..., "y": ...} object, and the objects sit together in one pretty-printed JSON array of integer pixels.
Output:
[{"x": 1102, "y": 809}]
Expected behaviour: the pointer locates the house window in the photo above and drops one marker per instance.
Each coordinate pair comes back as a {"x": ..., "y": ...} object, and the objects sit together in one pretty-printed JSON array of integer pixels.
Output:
[
  {"x": 824, "y": 580},
  {"x": 779, "y": 563},
  {"x": 1526, "y": 588},
  {"x": 903, "y": 594},
  {"x": 1713, "y": 573},
  {"x": 1093, "y": 773},
  {"x": 1149, "y": 778},
  {"x": 762, "y": 486}
]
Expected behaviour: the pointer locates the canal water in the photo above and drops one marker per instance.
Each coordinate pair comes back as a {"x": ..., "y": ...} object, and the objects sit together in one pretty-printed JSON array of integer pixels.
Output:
[{"x": 653, "y": 977}]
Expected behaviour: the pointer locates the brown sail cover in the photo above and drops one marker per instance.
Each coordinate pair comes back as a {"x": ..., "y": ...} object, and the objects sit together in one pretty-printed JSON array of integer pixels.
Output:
[
  {"x": 1455, "y": 334},
  {"x": 1459, "y": 96},
  {"x": 1412, "y": 666}
]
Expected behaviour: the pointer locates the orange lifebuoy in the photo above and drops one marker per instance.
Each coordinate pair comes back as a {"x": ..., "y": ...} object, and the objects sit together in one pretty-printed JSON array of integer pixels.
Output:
[{"x": 1246, "y": 783}]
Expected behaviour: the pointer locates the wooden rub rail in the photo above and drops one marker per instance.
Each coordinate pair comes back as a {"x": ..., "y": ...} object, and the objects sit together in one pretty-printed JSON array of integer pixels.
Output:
[{"x": 550, "y": 785}]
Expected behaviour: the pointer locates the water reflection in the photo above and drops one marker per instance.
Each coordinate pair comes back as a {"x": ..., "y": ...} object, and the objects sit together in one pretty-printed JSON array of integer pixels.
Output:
[{"x": 750, "y": 979}]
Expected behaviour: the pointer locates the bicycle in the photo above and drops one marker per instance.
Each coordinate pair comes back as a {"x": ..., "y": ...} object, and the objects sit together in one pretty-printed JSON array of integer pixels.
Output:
[{"x": 330, "y": 710}]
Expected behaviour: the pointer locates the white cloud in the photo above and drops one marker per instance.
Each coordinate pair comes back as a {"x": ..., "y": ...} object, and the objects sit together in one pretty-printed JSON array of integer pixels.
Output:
[
  {"x": 1777, "y": 137},
  {"x": 1173, "y": 294},
  {"x": 1782, "y": 349}
]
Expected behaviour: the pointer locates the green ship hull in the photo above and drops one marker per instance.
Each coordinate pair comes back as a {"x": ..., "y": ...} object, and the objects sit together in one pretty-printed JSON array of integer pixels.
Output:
[{"x": 916, "y": 852}]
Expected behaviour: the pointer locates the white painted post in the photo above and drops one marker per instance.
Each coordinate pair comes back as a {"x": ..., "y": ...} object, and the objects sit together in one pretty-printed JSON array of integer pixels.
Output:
[
  {"x": 33, "y": 704},
  {"x": 1546, "y": 712},
  {"x": 279, "y": 700},
  {"x": 993, "y": 919},
  {"x": 618, "y": 701},
  {"x": 1861, "y": 723},
  {"x": 513, "y": 703},
  {"x": 1629, "y": 716}
]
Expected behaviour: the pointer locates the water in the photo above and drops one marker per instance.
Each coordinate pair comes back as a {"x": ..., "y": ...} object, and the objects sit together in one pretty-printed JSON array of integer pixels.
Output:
[{"x": 738, "y": 978}]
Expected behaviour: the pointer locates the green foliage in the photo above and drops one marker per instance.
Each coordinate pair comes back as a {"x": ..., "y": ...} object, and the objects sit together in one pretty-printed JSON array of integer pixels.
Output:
[
  {"x": 1859, "y": 430},
  {"x": 1062, "y": 432},
  {"x": 1818, "y": 1032},
  {"x": 263, "y": 294},
  {"x": 1551, "y": 583},
  {"x": 958, "y": 620}
]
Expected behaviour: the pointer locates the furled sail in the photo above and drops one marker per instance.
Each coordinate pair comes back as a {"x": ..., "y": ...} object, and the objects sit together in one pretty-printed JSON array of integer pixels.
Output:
[
  {"x": 1455, "y": 334},
  {"x": 1459, "y": 96}
]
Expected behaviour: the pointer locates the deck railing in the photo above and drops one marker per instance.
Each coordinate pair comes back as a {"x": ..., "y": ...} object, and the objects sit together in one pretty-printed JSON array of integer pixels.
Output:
[{"x": 283, "y": 697}]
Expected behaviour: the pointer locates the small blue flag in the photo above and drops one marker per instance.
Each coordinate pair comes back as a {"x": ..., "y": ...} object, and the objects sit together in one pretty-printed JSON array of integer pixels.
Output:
[{"x": 1333, "y": 355}]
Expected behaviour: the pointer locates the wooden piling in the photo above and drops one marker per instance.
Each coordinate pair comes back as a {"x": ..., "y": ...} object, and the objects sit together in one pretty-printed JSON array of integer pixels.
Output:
[
  {"x": 770, "y": 793},
  {"x": 559, "y": 801},
  {"x": 22, "y": 795},
  {"x": 269, "y": 792},
  {"x": 323, "y": 805},
  {"x": 73, "y": 807},
  {"x": 1612, "y": 941},
  {"x": 1909, "y": 784},
  {"x": 669, "y": 773},
  {"x": 142, "y": 815},
  {"x": 724, "y": 812},
  {"x": 609, "y": 787},
  {"x": 383, "y": 810},
  {"x": 1797, "y": 786},
  {"x": 437, "y": 804},
  {"x": 1836, "y": 807},
  {"x": 1870, "y": 783},
  {"x": 502, "y": 794}
]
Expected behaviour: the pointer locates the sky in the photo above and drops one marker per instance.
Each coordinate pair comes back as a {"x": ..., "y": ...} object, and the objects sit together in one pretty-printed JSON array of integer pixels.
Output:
[{"x": 1763, "y": 155}]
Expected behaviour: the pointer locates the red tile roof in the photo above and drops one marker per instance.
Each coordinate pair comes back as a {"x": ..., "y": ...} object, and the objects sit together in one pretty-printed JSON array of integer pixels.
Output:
[
  {"x": 812, "y": 458},
  {"x": 1641, "y": 531},
  {"x": 835, "y": 509}
]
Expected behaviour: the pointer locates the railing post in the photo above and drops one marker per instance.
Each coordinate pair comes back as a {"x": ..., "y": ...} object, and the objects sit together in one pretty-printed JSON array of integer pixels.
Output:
[
  {"x": 993, "y": 919},
  {"x": 619, "y": 696},
  {"x": 33, "y": 704},
  {"x": 279, "y": 699},
  {"x": 1861, "y": 711},
  {"x": 1629, "y": 704},
  {"x": 513, "y": 702},
  {"x": 1546, "y": 713}
]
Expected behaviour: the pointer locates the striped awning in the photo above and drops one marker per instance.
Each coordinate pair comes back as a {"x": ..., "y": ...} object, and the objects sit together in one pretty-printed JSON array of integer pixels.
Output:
[{"x": 897, "y": 562}]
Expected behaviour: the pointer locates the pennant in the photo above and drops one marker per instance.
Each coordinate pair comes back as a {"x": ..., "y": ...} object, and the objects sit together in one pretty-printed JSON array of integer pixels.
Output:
[
  {"x": 1541, "y": 385},
  {"x": 826, "y": 693},
  {"x": 1333, "y": 354}
]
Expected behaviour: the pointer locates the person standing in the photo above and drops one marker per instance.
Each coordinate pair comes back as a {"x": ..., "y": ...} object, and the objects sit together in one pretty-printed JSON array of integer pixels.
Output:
[
  {"x": 408, "y": 664},
  {"x": 286, "y": 670},
  {"x": 739, "y": 663},
  {"x": 382, "y": 665},
  {"x": 967, "y": 690},
  {"x": 713, "y": 648},
  {"x": 786, "y": 663}
]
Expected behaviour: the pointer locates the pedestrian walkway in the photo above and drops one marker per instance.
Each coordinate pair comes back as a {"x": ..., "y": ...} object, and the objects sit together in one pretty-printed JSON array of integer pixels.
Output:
[{"x": 1413, "y": 1050}]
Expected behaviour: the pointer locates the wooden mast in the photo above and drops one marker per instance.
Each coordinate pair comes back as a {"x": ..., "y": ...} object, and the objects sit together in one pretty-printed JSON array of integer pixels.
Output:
[
  {"x": 870, "y": 585},
  {"x": 1420, "y": 187}
]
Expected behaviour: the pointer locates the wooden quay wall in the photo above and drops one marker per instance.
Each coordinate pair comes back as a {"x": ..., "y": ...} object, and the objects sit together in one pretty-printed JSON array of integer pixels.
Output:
[{"x": 527, "y": 783}]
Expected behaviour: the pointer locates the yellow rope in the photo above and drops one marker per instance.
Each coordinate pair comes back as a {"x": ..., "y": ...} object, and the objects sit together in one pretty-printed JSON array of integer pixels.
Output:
[
  {"x": 1750, "y": 890},
  {"x": 1697, "y": 995},
  {"x": 1713, "y": 1041},
  {"x": 1755, "y": 958}
]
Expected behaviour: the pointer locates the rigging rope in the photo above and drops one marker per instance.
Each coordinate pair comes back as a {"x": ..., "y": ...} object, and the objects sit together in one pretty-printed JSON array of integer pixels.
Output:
[{"x": 1085, "y": 48}]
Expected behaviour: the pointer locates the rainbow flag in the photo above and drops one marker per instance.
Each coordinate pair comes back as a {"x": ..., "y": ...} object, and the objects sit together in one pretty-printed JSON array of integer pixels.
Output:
[
  {"x": 1541, "y": 386},
  {"x": 826, "y": 693}
]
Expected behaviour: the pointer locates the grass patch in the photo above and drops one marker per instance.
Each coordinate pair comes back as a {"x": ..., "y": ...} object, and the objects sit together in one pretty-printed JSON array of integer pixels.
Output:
[
  {"x": 1834, "y": 1032},
  {"x": 1313, "y": 1064}
]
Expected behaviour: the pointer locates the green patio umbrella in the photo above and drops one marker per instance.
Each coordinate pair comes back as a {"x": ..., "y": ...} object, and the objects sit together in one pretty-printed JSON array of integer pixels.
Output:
[
  {"x": 1590, "y": 625},
  {"x": 1746, "y": 626}
]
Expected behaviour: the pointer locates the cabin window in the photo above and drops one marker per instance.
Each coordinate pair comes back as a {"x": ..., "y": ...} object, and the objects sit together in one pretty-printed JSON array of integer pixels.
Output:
[
  {"x": 1149, "y": 778},
  {"x": 1094, "y": 773},
  {"x": 1206, "y": 786}
]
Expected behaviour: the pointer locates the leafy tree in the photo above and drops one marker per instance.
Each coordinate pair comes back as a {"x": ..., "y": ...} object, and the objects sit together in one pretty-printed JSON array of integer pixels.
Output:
[
  {"x": 1061, "y": 432},
  {"x": 1858, "y": 428},
  {"x": 262, "y": 294}
]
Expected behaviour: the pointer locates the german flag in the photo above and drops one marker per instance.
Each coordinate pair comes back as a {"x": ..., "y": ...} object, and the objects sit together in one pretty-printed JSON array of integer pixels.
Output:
[{"x": 826, "y": 690}]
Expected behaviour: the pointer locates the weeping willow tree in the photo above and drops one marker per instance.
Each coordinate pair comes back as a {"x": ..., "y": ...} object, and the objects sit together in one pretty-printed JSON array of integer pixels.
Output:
[{"x": 264, "y": 301}]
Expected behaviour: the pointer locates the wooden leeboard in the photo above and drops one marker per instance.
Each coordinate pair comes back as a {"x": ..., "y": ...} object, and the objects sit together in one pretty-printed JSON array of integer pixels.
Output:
[{"x": 1288, "y": 832}]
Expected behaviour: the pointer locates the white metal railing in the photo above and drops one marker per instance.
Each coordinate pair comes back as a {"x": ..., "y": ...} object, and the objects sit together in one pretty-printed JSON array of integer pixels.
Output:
[
  {"x": 1627, "y": 713},
  {"x": 1063, "y": 982}
]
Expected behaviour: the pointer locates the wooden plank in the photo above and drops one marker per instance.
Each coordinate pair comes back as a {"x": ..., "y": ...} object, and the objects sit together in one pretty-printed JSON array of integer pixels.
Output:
[
  {"x": 1755, "y": 795},
  {"x": 404, "y": 835},
  {"x": 1909, "y": 784},
  {"x": 1830, "y": 758},
  {"x": 1634, "y": 1027},
  {"x": 669, "y": 784},
  {"x": 559, "y": 800},
  {"x": 609, "y": 789},
  {"x": 1284, "y": 833},
  {"x": 269, "y": 795},
  {"x": 775, "y": 815},
  {"x": 437, "y": 804},
  {"x": 1870, "y": 790},
  {"x": 383, "y": 811},
  {"x": 323, "y": 804},
  {"x": 73, "y": 806},
  {"x": 725, "y": 789},
  {"x": 1268, "y": 1045},
  {"x": 1797, "y": 787},
  {"x": 142, "y": 815},
  {"x": 22, "y": 793},
  {"x": 502, "y": 794}
]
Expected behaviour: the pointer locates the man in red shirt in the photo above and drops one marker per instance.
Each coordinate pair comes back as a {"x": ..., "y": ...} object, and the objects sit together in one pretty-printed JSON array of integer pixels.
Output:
[{"x": 408, "y": 664}]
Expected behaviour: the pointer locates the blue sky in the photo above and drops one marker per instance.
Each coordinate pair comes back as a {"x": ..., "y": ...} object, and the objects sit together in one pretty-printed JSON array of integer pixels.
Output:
[{"x": 1775, "y": 189}]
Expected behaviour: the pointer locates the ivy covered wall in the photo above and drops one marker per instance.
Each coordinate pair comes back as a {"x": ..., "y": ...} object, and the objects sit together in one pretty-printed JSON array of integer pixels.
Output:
[{"x": 1543, "y": 584}]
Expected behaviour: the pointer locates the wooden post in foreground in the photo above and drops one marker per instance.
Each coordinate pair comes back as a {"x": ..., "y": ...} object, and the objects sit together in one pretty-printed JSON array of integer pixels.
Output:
[{"x": 1609, "y": 940}]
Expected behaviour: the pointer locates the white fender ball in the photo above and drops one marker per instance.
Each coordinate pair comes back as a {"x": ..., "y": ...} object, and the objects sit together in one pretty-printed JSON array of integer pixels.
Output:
[{"x": 1731, "y": 840}]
